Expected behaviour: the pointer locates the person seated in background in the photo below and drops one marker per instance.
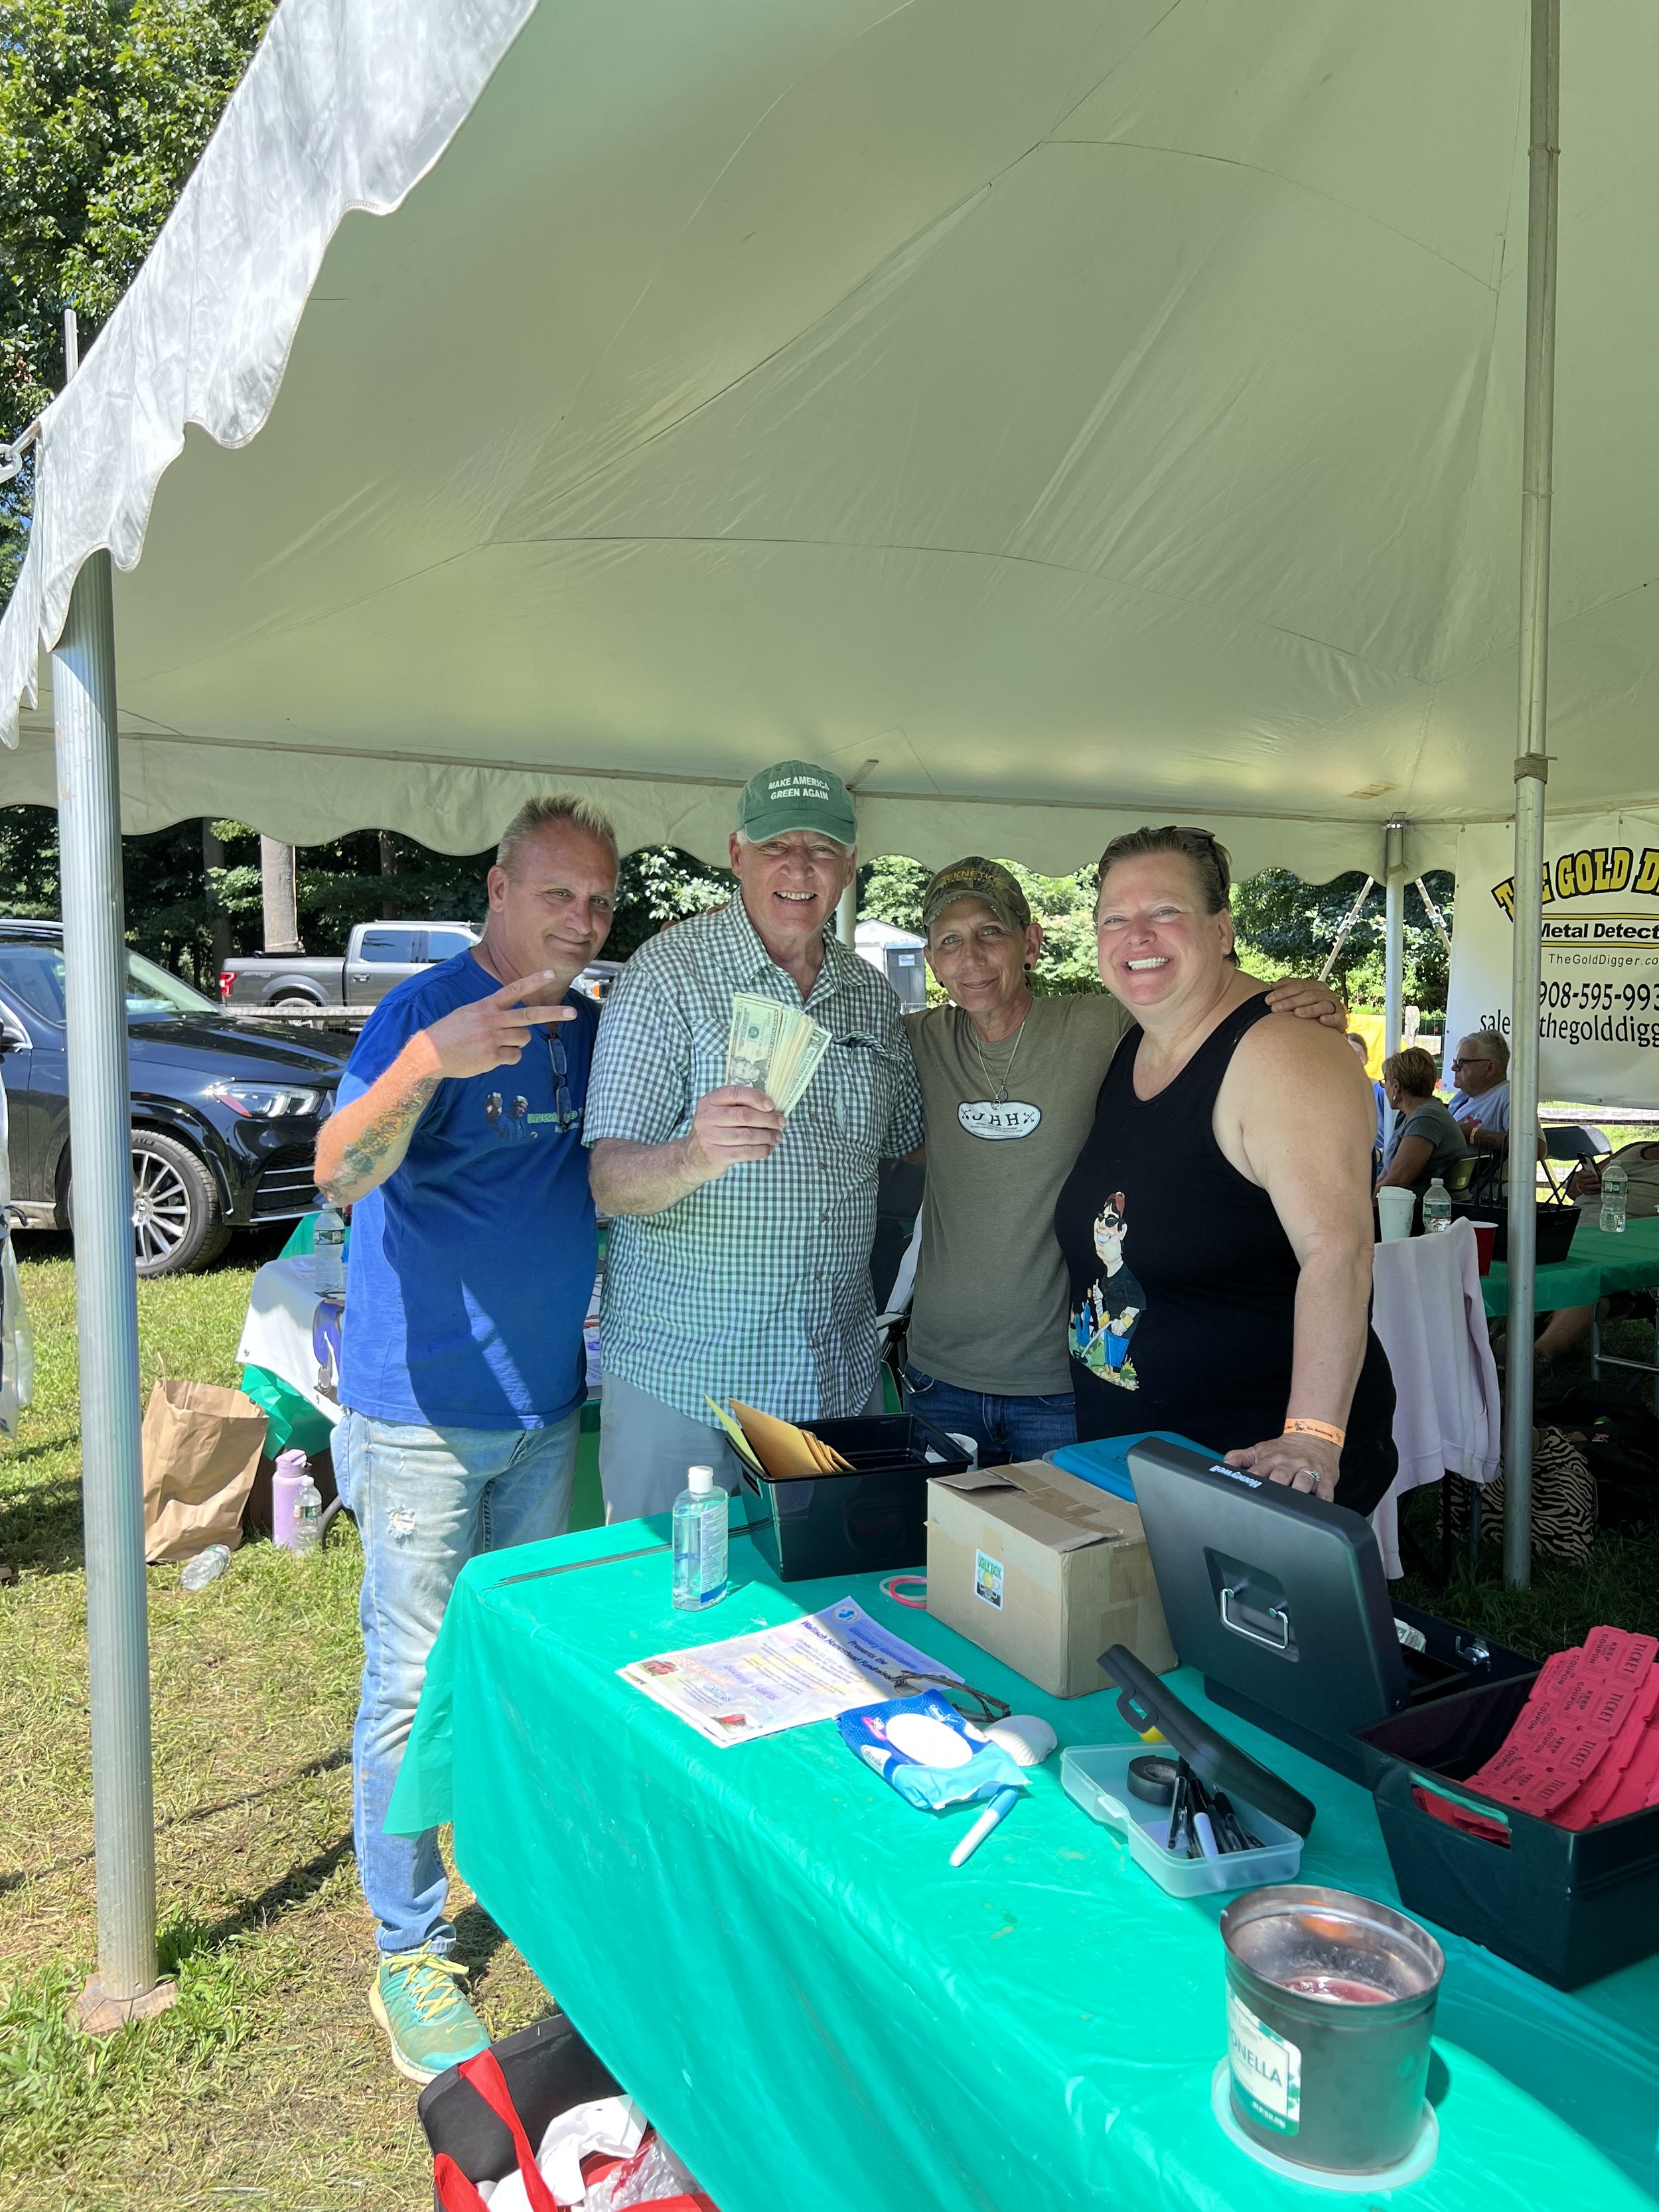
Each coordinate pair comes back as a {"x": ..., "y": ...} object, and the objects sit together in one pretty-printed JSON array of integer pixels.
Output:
[
  {"x": 1427, "y": 1140},
  {"x": 1569, "y": 1326},
  {"x": 1481, "y": 1103}
]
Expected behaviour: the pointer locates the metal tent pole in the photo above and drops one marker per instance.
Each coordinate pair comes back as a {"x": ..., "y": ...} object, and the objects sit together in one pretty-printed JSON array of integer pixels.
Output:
[
  {"x": 1393, "y": 936},
  {"x": 1530, "y": 770},
  {"x": 107, "y": 1308},
  {"x": 846, "y": 917}
]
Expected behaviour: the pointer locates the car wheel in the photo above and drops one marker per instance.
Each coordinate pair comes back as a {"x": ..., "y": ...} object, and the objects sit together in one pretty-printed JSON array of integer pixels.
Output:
[
  {"x": 177, "y": 1221},
  {"x": 293, "y": 999}
]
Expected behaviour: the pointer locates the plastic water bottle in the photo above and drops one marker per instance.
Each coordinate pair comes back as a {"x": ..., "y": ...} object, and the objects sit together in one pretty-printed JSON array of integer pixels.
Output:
[
  {"x": 1437, "y": 1208},
  {"x": 307, "y": 1519},
  {"x": 206, "y": 1567},
  {"x": 1616, "y": 1189},
  {"x": 700, "y": 1540},
  {"x": 328, "y": 1269}
]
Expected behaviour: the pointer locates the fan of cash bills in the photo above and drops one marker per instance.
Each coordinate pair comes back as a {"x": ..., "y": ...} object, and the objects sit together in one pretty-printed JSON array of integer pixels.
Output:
[{"x": 775, "y": 1047}]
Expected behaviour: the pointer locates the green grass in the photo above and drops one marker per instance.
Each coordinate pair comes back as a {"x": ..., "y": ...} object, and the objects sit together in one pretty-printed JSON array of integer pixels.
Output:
[{"x": 268, "y": 2083}]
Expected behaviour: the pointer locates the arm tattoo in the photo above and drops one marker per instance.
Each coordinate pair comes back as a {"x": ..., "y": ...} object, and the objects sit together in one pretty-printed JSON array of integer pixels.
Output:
[{"x": 362, "y": 1156}]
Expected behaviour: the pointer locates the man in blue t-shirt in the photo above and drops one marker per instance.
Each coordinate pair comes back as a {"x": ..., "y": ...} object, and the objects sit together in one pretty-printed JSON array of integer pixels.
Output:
[{"x": 457, "y": 1140}]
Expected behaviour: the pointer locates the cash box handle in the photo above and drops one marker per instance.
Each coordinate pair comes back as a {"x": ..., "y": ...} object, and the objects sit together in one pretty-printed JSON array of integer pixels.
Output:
[{"x": 1280, "y": 1643}]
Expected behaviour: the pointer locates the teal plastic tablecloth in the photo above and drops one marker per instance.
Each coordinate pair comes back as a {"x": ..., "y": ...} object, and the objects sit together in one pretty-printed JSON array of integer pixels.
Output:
[
  {"x": 1595, "y": 1265},
  {"x": 770, "y": 1950}
]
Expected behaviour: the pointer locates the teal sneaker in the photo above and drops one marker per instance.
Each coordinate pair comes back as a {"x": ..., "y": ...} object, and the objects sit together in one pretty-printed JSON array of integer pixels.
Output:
[{"x": 430, "y": 2024}]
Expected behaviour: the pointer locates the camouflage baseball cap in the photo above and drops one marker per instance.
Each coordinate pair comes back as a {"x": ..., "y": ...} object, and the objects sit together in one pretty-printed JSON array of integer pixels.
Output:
[
  {"x": 796, "y": 794},
  {"x": 989, "y": 881}
]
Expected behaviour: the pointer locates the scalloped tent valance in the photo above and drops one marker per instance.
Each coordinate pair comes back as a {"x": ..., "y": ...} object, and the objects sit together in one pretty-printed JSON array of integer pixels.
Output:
[{"x": 1052, "y": 416}]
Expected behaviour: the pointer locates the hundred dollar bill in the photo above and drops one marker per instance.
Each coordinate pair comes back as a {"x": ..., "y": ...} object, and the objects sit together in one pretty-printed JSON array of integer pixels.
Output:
[{"x": 756, "y": 1025}]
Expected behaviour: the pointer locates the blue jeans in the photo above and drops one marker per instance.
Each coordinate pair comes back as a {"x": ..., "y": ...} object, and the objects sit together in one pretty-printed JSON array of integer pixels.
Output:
[
  {"x": 425, "y": 1502},
  {"x": 1024, "y": 1428}
]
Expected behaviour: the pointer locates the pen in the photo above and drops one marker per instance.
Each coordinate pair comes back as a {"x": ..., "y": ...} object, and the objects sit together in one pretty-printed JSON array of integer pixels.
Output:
[{"x": 999, "y": 1809}]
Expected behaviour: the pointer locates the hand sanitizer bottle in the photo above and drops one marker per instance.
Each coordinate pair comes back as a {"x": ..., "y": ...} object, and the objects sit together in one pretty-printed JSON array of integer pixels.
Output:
[{"x": 700, "y": 1541}]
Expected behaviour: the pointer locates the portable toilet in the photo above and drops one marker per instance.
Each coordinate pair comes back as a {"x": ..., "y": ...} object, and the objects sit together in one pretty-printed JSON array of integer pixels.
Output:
[{"x": 899, "y": 955}]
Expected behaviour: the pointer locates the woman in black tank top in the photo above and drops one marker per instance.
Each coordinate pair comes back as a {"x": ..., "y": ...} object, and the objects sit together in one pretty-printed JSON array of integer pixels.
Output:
[{"x": 1184, "y": 1278}]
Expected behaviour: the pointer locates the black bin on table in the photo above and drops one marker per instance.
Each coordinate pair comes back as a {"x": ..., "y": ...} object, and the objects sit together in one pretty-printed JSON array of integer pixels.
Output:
[
  {"x": 548, "y": 2068},
  {"x": 1557, "y": 1227},
  {"x": 1280, "y": 1598},
  {"x": 1568, "y": 1907},
  {"x": 871, "y": 1520}
]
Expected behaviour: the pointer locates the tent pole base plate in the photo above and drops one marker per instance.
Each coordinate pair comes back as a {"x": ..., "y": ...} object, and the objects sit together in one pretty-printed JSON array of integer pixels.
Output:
[{"x": 96, "y": 2015}]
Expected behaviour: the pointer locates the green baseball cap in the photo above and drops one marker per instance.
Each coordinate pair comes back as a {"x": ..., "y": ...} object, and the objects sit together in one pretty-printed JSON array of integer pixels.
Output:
[
  {"x": 989, "y": 881},
  {"x": 796, "y": 794}
]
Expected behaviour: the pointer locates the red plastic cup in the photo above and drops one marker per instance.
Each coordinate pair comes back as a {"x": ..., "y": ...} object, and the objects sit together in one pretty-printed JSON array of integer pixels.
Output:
[{"x": 1485, "y": 1235}]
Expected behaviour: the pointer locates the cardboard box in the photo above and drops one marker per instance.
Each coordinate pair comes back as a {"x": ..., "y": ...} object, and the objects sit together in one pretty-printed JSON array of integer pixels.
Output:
[{"x": 1044, "y": 1572}]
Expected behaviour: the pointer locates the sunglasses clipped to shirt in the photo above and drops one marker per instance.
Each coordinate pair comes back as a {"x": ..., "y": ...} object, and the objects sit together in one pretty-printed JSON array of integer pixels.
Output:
[{"x": 566, "y": 1116}]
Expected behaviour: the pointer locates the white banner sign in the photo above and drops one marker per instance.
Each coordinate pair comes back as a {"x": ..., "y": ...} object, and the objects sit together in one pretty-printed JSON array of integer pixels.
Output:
[{"x": 1598, "y": 1009}]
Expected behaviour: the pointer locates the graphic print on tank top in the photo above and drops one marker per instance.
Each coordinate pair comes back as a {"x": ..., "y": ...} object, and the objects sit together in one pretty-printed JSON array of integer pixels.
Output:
[{"x": 1106, "y": 1317}]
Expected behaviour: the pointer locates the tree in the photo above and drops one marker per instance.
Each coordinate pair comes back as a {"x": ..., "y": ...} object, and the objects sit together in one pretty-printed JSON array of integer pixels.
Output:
[
  {"x": 173, "y": 897},
  {"x": 659, "y": 884},
  {"x": 105, "y": 107},
  {"x": 1287, "y": 928}
]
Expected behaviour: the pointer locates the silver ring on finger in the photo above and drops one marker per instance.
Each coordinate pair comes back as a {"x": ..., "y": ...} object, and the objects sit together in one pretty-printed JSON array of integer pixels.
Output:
[{"x": 1312, "y": 1474}]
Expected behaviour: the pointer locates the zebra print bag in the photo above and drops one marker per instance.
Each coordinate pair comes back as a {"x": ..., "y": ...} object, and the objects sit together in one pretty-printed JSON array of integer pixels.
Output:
[{"x": 1562, "y": 1500}]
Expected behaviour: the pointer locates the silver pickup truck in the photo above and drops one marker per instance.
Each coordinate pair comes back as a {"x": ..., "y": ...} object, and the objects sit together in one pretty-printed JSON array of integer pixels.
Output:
[{"x": 377, "y": 955}]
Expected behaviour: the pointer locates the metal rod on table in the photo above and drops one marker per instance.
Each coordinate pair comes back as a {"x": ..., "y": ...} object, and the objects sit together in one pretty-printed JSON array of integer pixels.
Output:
[
  {"x": 106, "y": 1293},
  {"x": 1530, "y": 770}
]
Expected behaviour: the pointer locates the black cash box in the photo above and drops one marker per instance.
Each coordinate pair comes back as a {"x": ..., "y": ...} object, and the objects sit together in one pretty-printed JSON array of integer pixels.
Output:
[
  {"x": 1568, "y": 1907},
  {"x": 871, "y": 1520},
  {"x": 1281, "y": 1599}
]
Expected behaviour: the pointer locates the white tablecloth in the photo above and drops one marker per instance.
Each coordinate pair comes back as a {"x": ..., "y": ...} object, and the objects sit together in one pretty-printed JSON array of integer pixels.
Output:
[
  {"x": 1427, "y": 1313},
  {"x": 281, "y": 1312}
]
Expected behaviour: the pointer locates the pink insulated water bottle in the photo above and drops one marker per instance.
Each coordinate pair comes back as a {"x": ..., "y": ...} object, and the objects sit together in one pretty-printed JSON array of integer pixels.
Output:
[{"x": 292, "y": 1476}]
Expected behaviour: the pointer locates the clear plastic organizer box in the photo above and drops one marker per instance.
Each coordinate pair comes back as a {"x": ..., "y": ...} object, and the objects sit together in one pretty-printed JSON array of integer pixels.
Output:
[{"x": 1095, "y": 1776}]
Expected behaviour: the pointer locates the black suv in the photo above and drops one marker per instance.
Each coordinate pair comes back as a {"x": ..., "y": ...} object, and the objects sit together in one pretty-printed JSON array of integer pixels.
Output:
[{"x": 224, "y": 1118}]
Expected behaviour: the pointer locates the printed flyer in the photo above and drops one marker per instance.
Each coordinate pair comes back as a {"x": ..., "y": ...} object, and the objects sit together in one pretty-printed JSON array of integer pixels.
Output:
[{"x": 1598, "y": 1004}]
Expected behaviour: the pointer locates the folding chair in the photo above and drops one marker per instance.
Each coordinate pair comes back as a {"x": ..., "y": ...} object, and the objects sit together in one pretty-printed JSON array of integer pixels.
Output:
[
  {"x": 1571, "y": 1142},
  {"x": 1460, "y": 1176}
]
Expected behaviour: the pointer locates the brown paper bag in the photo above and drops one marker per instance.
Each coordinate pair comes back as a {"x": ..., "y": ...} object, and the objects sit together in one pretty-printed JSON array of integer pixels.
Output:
[{"x": 202, "y": 1446}]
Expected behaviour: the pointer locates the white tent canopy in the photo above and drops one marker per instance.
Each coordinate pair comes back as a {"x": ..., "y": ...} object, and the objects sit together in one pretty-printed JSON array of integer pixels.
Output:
[{"x": 1054, "y": 416}]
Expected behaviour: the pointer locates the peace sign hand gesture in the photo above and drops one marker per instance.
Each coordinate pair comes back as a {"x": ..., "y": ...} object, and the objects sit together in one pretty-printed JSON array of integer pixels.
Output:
[{"x": 491, "y": 1032}]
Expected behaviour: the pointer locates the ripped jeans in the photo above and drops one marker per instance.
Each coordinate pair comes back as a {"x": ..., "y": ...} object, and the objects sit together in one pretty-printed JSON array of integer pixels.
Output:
[{"x": 425, "y": 1501}]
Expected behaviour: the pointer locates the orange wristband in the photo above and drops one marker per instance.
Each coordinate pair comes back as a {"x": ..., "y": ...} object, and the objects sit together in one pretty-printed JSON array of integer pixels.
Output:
[{"x": 1321, "y": 1428}]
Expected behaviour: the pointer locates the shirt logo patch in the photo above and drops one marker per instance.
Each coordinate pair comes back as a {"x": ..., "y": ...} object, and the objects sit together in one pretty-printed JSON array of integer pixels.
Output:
[
  {"x": 509, "y": 1118},
  {"x": 993, "y": 1120}
]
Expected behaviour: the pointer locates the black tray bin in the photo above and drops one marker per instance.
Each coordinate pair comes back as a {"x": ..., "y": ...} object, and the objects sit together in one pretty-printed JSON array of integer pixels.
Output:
[
  {"x": 548, "y": 2068},
  {"x": 1557, "y": 1227},
  {"x": 1568, "y": 1907},
  {"x": 870, "y": 1521}
]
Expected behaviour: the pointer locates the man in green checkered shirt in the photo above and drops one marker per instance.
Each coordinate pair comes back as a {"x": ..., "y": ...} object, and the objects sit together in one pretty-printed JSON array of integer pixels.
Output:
[{"x": 739, "y": 1264}]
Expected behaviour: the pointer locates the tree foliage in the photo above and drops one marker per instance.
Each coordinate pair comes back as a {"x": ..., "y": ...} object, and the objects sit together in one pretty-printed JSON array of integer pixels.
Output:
[
  {"x": 105, "y": 107},
  {"x": 1287, "y": 927},
  {"x": 172, "y": 895}
]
